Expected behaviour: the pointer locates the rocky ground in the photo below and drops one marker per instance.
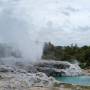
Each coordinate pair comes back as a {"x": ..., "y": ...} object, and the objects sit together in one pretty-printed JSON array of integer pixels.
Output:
[
  {"x": 86, "y": 71},
  {"x": 11, "y": 79},
  {"x": 38, "y": 81},
  {"x": 22, "y": 81},
  {"x": 20, "y": 76},
  {"x": 15, "y": 77},
  {"x": 60, "y": 88}
]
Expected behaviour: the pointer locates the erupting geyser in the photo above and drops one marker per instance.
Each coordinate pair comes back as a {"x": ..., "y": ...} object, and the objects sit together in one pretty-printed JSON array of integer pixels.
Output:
[{"x": 18, "y": 32}]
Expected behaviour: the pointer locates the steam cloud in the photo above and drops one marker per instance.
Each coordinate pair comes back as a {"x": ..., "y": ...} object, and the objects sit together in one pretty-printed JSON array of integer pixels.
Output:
[{"x": 15, "y": 30}]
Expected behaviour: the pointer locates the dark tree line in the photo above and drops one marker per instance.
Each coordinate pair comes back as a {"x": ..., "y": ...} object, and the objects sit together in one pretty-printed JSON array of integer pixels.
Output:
[{"x": 68, "y": 53}]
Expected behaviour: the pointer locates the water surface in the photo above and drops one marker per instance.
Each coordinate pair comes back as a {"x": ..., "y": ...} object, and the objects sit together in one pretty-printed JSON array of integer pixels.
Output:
[{"x": 79, "y": 80}]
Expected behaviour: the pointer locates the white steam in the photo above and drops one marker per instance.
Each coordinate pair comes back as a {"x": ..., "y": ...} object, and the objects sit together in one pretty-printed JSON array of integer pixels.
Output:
[{"x": 16, "y": 30}]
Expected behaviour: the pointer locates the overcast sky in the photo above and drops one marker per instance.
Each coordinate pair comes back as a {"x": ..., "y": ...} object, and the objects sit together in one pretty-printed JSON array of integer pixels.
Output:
[{"x": 60, "y": 21}]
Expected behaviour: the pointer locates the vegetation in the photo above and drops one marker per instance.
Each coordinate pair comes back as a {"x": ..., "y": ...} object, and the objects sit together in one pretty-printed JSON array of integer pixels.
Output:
[{"x": 68, "y": 53}]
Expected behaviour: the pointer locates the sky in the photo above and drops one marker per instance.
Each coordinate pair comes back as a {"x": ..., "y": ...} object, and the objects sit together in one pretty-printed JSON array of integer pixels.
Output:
[{"x": 61, "y": 22}]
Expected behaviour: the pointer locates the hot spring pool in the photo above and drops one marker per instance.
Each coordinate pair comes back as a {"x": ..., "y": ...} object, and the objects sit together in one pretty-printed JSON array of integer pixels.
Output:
[{"x": 79, "y": 80}]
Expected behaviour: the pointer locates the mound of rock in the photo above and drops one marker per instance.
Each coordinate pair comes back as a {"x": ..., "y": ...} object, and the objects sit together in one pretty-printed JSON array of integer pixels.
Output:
[
  {"x": 21, "y": 81},
  {"x": 58, "y": 68}
]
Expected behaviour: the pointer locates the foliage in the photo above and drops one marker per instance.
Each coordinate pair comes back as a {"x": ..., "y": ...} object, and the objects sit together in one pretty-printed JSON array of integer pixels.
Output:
[{"x": 67, "y": 53}]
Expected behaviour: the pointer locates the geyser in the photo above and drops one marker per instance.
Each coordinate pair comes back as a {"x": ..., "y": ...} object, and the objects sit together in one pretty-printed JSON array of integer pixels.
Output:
[{"x": 17, "y": 31}]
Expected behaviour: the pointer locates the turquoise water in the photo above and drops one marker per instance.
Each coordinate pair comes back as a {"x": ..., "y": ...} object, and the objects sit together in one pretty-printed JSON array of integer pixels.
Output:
[{"x": 79, "y": 80}]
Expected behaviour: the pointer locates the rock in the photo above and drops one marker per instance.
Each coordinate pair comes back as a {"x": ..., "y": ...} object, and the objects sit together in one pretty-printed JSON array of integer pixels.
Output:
[
  {"x": 21, "y": 81},
  {"x": 78, "y": 88},
  {"x": 58, "y": 68},
  {"x": 21, "y": 71},
  {"x": 5, "y": 69},
  {"x": 26, "y": 80},
  {"x": 1, "y": 77},
  {"x": 30, "y": 69}
]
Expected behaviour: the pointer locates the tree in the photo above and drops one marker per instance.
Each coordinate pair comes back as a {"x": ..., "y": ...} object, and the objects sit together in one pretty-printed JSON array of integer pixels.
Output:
[{"x": 67, "y": 53}]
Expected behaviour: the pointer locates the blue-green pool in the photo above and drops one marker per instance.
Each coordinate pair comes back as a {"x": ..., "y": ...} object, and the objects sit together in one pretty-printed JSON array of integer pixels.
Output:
[{"x": 79, "y": 80}]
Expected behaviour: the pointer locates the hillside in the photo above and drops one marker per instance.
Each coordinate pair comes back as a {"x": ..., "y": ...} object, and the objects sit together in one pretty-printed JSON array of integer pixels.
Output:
[{"x": 68, "y": 53}]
